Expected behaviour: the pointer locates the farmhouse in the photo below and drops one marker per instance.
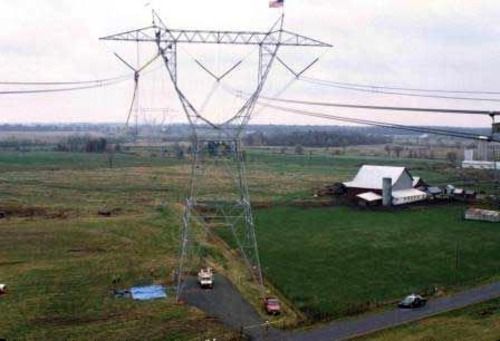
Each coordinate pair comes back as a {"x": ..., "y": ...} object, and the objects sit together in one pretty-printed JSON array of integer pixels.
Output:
[{"x": 367, "y": 186}]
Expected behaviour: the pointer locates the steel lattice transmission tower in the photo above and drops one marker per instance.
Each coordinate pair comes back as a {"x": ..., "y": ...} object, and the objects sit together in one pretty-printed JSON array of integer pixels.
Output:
[{"x": 218, "y": 143}]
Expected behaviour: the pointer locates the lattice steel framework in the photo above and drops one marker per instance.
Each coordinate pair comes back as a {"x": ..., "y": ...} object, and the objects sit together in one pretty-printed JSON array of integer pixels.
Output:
[{"x": 218, "y": 145}]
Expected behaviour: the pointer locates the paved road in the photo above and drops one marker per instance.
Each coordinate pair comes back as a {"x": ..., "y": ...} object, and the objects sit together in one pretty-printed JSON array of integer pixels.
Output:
[
  {"x": 226, "y": 303},
  {"x": 342, "y": 330}
]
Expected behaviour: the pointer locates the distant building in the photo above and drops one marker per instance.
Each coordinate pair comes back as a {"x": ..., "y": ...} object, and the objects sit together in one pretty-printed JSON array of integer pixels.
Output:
[
  {"x": 367, "y": 185},
  {"x": 481, "y": 160},
  {"x": 482, "y": 150},
  {"x": 469, "y": 155}
]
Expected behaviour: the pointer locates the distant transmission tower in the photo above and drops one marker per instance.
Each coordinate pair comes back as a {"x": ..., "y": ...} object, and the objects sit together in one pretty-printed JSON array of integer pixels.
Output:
[{"x": 218, "y": 143}]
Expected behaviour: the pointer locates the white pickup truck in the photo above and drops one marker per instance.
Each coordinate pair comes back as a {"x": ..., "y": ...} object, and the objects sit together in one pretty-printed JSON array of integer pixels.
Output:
[{"x": 206, "y": 278}]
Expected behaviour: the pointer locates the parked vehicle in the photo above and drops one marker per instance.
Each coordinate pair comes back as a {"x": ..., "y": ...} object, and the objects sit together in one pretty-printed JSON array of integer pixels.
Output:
[
  {"x": 206, "y": 278},
  {"x": 3, "y": 289},
  {"x": 412, "y": 301},
  {"x": 272, "y": 306}
]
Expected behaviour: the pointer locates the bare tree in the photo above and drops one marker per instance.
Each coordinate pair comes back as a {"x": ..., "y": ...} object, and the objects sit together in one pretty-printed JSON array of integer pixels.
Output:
[
  {"x": 398, "y": 150},
  {"x": 299, "y": 150},
  {"x": 387, "y": 149},
  {"x": 452, "y": 157}
]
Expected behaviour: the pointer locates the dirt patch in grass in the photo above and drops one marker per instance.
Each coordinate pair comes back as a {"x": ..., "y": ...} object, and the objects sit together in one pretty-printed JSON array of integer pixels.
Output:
[
  {"x": 12, "y": 262},
  {"x": 108, "y": 212},
  {"x": 70, "y": 320},
  {"x": 25, "y": 211},
  {"x": 86, "y": 250}
]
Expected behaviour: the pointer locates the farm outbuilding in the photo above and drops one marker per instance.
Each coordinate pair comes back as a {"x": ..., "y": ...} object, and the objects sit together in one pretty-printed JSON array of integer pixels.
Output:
[
  {"x": 434, "y": 192},
  {"x": 407, "y": 196},
  {"x": 369, "y": 182},
  {"x": 418, "y": 182},
  {"x": 369, "y": 199},
  {"x": 482, "y": 215}
]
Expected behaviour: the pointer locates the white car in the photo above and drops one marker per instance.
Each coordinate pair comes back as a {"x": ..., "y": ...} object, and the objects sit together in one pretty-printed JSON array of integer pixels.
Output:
[{"x": 412, "y": 301}]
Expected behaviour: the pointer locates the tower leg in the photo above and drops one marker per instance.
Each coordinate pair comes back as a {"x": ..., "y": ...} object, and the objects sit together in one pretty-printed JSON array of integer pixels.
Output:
[{"x": 214, "y": 161}]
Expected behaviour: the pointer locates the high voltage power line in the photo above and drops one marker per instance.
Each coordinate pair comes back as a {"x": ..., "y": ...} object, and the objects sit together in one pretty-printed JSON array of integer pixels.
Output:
[
  {"x": 385, "y": 91},
  {"x": 93, "y": 81},
  {"x": 385, "y": 108},
  {"x": 79, "y": 85},
  {"x": 382, "y": 124},
  {"x": 64, "y": 89},
  {"x": 425, "y": 90}
]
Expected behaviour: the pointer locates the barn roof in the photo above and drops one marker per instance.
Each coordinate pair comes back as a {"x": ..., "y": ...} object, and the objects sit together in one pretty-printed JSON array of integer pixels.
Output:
[{"x": 370, "y": 177}]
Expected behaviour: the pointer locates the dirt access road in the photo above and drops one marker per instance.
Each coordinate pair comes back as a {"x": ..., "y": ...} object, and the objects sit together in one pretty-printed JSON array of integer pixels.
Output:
[{"x": 225, "y": 303}]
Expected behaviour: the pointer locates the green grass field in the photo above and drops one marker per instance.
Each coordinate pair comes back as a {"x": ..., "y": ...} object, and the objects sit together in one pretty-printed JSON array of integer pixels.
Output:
[
  {"x": 60, "y": 274},
  {"x": 333, "y": 262},
  {"x": 59, "y": 257}
]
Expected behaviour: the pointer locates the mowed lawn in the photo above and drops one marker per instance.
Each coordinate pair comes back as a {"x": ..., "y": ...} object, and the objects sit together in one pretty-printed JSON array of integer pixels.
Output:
[{"x": 339, "y": 261}]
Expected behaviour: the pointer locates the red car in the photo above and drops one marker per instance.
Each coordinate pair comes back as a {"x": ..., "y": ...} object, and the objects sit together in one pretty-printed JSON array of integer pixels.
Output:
[{"x": 272, "y": 306}]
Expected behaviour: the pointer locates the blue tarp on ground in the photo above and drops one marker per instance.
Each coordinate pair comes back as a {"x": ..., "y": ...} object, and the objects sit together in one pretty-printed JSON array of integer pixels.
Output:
[{"x": 149, "y": 292}]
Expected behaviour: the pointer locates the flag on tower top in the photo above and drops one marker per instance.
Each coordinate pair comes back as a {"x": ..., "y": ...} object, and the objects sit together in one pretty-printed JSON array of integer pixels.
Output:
[{"x": 276, "y": 3}]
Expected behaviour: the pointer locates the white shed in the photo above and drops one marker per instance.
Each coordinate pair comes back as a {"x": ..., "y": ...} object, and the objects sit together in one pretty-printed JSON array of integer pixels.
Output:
[{"x": 407, "y": 196}]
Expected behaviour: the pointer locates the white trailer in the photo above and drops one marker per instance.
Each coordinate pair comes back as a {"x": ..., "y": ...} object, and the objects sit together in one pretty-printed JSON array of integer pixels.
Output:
[{"x": 206, "y": 278}]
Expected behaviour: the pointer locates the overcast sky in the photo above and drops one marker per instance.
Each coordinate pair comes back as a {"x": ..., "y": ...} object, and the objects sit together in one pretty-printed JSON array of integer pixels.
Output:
[{"x": 437, "y": 44}]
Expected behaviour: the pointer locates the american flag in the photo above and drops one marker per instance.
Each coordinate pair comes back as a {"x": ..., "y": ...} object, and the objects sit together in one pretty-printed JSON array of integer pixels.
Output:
[{"x": 276, "y": 3}]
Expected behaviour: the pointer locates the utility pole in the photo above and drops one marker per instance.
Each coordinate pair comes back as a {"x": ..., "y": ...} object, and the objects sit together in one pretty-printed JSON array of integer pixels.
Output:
[
  {"x": 216, "y": 146},
  {"x": 495, "y": 129}
]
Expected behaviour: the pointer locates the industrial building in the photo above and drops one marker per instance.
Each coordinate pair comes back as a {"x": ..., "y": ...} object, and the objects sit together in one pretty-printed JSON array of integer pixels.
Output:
[{"x": 480, "y": 158}]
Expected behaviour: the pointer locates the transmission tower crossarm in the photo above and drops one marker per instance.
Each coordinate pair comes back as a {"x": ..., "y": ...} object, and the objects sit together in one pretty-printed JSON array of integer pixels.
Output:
[
  {"x": 154, "y": 33},
  {"x": 218, "y": 78}
]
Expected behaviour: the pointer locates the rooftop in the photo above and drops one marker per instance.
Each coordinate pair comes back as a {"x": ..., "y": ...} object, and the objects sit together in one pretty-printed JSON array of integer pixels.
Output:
[{"x": 369, "y": 196}]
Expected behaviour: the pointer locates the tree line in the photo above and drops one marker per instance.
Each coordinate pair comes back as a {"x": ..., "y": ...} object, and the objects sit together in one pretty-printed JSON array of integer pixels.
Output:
[
  {"x": 84, "y": 144},
  {"x": 314, "y": 138}
]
